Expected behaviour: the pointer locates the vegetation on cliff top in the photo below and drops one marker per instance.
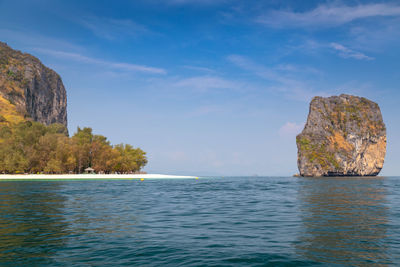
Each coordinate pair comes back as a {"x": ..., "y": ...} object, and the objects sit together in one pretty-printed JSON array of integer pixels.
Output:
[
  {"x": 350, "y": 114},
  {"x": 12, "y": 66},
  {"x": 31, "y": 147}
]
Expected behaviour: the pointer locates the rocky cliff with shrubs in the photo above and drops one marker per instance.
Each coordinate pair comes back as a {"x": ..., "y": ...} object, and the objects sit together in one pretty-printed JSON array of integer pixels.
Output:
[
  {"x": 29, "y": 90},
  {"x": 33, "y": 125},
  {"x": 344, "y": 136}
]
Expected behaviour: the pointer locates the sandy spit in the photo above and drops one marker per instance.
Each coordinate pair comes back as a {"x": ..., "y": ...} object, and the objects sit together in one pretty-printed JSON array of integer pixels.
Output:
[{"x": 90, "y": 176}]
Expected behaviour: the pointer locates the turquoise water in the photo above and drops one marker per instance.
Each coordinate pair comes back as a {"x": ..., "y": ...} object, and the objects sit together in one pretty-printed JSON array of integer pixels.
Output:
[{"x": 241, "y": 221}]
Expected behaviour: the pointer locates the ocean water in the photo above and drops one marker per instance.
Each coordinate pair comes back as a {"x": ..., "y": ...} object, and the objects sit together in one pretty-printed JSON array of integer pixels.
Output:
[{"x": 238, "y": 221}]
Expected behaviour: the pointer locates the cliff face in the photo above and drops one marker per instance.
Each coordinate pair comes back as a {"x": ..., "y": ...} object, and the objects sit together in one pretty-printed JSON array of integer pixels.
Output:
[
  {"x": 28, "y": 89},
  {"x": 344, "y": 136}
]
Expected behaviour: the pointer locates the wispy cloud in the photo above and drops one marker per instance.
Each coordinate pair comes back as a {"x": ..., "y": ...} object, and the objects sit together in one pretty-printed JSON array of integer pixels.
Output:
[
  {"x": 378, "y": 37},
  {"x": 313, "y": 47},
  {"x": 298, "y": 69},
  {"x": 205, "y": 83},
  {"x": 197, "y": 68},
  {"x": 327, "y": 15},
  {"x": 110, "y": 28},
  {"x": 292, "y": 87},
  {"x": 290, "y": 129},
  {"x": 346, "y": 52},
  {"x": 103, "y": 63},
  {"x": 28, "y": 39}
]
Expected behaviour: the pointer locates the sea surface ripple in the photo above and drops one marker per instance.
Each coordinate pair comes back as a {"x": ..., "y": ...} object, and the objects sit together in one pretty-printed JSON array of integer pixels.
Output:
[{"x": 216, "y": 221}]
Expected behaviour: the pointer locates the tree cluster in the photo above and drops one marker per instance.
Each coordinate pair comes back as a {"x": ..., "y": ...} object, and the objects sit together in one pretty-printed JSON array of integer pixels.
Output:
[{"x": 31, "y": 147}]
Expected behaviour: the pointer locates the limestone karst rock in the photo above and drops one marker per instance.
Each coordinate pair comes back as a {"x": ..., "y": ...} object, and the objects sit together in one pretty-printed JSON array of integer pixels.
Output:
[
  {"x": 30, "y": 90},
  {"x": 344, "y": 136}
]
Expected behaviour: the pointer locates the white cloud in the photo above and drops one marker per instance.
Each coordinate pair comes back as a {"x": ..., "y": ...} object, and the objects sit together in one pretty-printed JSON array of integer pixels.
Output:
[
  {"x": 205, "y": 83},
  {"x": 292, "y": 87},
  {"x": 314, "y": 47},
  {"x": 103, "y": 63},
  {"x": 109, "y": 28},
  {"x": 298, "y": 69},
  {"x": 346, "y": 52},
  {"x": 197, "y": 68},
  {"x": 327, "y": 15},
  {"x": 291, "y": 129},
  {"x": 376, "y": 38},
  {"x": 27, "y": 40},
  {"x": 41, "y": 44}
]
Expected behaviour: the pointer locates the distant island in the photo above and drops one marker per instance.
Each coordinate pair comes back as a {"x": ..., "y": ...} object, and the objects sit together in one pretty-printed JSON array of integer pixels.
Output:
[
  {"x": 344, "y": 136},
  {"x": 33, "y": 126}
]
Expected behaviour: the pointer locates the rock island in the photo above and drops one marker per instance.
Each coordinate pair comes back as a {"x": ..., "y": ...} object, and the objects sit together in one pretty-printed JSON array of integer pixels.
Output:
[
  {"x": 344, "y": 136},
  {"x": 33, "y": 127}
]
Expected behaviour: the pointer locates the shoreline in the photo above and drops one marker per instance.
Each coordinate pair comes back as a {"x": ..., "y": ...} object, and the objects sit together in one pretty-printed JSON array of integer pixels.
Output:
[{"x": 90, "y": 176}]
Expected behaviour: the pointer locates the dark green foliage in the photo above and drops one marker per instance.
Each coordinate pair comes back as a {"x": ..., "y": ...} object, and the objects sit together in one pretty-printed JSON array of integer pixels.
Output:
[
  {"x": 57, "y": 128},
  {"x": 10, "y": 74},
  {"x": 304, "y": 142},
  {"x": 16, "y": 76},
  {"x": 31, "y": 147}
]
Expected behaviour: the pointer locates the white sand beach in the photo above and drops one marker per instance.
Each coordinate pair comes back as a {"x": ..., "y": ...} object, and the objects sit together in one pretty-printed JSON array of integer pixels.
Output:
[{"x": 90, "y": 176}]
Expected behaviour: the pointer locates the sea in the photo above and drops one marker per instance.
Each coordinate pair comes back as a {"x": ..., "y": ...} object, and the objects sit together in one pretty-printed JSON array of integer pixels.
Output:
[{"x": 212, "y": 221}]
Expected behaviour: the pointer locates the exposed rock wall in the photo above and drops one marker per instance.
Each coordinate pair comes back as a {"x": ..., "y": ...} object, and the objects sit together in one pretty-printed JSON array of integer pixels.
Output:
[
  {"x": 344, "y": 136},
  {"x": 34, "y": 90}
]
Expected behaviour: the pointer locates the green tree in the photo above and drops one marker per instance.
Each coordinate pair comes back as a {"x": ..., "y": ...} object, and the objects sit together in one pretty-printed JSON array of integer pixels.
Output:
[
  {"x": 54, "y": 166},
  {"x": 83, "y": 139},
  {"x": 101, "y": 154},
  {"x": 57, "y": 128},
  {"x": 131, "y": 159},
  {"x": 33, "y": 147}
]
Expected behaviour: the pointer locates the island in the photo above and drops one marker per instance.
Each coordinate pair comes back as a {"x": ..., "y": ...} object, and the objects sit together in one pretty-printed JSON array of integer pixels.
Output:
[
  {"x": 33, "y": 126},
  {"x": 344, "y": 136}
]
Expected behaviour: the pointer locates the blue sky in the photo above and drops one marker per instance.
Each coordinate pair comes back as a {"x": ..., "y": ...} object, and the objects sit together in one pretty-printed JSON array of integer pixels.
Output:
[{"x": 212, "y": 87}]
